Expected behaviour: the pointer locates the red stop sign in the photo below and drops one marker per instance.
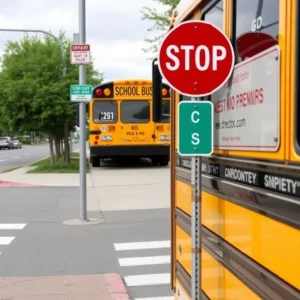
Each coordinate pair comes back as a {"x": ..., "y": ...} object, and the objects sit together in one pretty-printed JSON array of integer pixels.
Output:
[{"x": 196, "y": 58}]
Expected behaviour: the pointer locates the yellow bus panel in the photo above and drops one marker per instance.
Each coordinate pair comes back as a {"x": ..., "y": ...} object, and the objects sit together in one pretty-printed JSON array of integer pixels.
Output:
[
  {"x": 183, "y": 196},
  {"x": 183, "y": 249},
  {"x": 272, "y": 244}
]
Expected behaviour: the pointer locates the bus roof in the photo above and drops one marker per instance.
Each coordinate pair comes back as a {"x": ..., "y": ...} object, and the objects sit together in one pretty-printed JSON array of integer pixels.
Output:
[
  {"x": 127, "y": 82},
  {"x": 183, "y": 9}
]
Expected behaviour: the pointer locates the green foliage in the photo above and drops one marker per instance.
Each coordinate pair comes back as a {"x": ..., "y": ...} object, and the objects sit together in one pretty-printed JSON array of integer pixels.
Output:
[
  {"x": 34, "y": 94},
  {"x": 161, "y": 21}
]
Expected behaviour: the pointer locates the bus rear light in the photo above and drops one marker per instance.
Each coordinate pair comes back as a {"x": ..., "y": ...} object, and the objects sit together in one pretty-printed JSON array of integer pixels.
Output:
[
  {"x": 97, "y": 137},
  {"x": 99, "y": 92},
  {"x": 106, "y": 138},
  {"x": 164, "y": 92},
  {"x": 96, "y": 143},
  {"x": 107, "y": 92}
]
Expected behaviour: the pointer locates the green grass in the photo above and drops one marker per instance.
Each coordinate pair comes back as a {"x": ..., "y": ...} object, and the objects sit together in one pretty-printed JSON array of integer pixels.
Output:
[
  {"x": 11, "y": 169},
  {"x": 44, "y": 166}
]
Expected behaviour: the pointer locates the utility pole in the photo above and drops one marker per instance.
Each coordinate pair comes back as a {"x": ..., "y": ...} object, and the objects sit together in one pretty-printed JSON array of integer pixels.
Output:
[{"x": 82, "y": 117}]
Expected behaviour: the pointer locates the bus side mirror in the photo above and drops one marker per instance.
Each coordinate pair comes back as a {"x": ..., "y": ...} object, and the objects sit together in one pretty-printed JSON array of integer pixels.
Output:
[{"x": 156, "y": 92}]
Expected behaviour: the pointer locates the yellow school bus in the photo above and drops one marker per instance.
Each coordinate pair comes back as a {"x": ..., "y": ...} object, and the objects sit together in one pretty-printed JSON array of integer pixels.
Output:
[
  {"x": 121, "y": 125},
  {"x": 248, "y": 193}
]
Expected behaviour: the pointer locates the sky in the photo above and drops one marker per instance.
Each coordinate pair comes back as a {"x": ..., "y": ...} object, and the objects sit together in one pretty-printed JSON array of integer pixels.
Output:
[{"x": 114, "y": 29}]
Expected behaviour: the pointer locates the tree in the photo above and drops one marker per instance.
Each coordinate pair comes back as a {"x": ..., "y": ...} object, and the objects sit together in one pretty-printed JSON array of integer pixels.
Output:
[
  {"x": 34, "y": 95},
  {"x": 161, "y": 21}
]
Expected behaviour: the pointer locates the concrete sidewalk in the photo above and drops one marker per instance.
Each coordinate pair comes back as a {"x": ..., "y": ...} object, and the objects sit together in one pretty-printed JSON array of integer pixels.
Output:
[
  {"x": 22, "y": 178},
  {"x": 82, "y": 287},
  {"x": 107, "y": 188}
]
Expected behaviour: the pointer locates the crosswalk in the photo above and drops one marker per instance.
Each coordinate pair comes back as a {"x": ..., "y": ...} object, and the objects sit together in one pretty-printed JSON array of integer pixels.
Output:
[
  {"x": 5, "y": 233},
  {"x": 145, "y": 267}
]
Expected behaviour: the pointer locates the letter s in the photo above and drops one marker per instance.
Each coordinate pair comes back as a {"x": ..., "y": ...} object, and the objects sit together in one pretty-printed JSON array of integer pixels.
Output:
[
  {"x": 195, "y": 139},
  {"x": 172, "y": 57}
]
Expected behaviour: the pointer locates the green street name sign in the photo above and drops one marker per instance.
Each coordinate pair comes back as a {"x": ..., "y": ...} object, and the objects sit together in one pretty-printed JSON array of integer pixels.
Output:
[
  {"x": 195, "y": 128},
  {"x": 81, "y": 93}
]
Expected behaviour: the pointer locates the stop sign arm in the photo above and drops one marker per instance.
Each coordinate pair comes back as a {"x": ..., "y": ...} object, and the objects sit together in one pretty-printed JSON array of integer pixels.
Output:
[{"x": 156, "y": 92}]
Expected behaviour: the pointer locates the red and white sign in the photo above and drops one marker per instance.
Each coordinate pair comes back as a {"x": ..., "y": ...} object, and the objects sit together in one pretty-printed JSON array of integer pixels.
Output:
[
  {"x": 247, "y": 109},
  {"x": 80, "y": 54},
  {"x": 196, "y": 58}
]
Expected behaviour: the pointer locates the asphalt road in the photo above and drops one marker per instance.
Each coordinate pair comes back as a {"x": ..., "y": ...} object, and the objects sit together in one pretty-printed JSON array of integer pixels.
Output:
[
  {"x": 133, "y": 243},
  {"x": 26, "y": 155}
]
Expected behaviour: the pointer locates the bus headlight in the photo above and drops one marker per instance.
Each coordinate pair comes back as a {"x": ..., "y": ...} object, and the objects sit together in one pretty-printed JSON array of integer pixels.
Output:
[
  {"x": 106, "y": 138},
  {"x": 164, "y": 137}
]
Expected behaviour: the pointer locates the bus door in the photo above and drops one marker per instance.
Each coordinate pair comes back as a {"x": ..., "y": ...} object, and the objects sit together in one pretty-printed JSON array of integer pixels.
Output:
[{"x": 135, "y": 118}]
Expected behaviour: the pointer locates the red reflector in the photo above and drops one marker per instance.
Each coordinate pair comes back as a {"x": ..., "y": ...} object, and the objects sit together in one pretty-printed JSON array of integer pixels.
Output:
[
  {"x": 99, "y": 92},
  {"x": 97, "y": 137},
  {"x": 95, "y": 143}
]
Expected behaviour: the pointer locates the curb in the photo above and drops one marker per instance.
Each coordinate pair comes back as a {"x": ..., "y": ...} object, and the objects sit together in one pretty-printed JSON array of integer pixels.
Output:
[
  {"x": 116, "y": 287},
  {"x": 12, "y": 183}
]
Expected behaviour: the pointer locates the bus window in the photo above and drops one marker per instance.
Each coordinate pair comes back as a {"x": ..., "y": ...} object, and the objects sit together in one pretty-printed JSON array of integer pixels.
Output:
[
  {"x": 256, "y": 26},
  {"x": 135, "y": 111},
  {"x": 214, "y": 14},
  {"x": 165, "y": 111},
  {"x": 105, "y": 112}
]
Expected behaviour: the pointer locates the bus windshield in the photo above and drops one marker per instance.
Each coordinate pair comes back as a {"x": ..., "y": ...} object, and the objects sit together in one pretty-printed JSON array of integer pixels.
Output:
[
  {"x": 105, "y": 111},
  {"x": 135, "y": 111}
]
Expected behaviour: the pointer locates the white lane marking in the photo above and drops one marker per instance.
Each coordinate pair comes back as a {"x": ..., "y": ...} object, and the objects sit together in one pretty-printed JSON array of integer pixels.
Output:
[
  {"x": 12, "y": 226},
  {"x": 6, "y": 240},
  {"x": 27, "y": 154},
  {"x": 149, "y": 279},
  {"x": 17, "y": 157},
  {"x": 142, "y": 245},
  {"x": 147, "y": 260},
  {"x": 2, "y": 159},
  {"x": 156, "y": 298}
]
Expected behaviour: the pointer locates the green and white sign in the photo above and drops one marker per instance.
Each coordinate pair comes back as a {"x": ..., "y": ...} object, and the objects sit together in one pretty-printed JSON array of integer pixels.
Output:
[
  {"x": 195, "y": 128},
  {"x": 81, "y": 93}
]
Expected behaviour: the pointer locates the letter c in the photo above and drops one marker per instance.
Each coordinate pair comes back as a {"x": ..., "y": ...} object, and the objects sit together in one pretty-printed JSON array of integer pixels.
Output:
[{"x": 195, "y": 120}]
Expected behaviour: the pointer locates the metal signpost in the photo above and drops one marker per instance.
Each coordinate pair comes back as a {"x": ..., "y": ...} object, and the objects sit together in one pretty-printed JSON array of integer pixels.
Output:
[
  {"x": 82, "y": 93},
  {"x": 196, "y": 65}
]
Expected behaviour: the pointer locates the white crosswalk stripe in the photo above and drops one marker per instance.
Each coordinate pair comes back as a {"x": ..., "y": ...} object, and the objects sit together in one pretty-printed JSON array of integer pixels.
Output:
[
  {"x": 132, "y": 260},
  {"x": 6, "y": 239}
]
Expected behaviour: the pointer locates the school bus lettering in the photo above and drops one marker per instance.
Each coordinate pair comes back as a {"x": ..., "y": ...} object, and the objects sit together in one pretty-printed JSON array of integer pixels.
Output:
[
  {"x": 210, "y": 169},
  {"x": 282, "y": 184},
  {"x": 240, "y": 175},
  {"x": 147, "y": 90},
  {"x": 127, "y": 91}
]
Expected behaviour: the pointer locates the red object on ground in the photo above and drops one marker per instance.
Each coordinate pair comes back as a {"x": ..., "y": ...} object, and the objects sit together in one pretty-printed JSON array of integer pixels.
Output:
[
  {"x": 67, "y": 287},
  {"x": 12, "y": 183}
]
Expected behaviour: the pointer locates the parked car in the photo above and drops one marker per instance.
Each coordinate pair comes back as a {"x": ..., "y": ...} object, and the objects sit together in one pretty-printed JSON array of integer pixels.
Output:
[
  {"x": 6, "y": 143},
  {"x": 17, "y": 144}
]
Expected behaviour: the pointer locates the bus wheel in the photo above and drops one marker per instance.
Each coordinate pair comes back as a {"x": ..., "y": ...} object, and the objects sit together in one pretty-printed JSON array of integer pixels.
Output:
[
  {"x": 164, "y": 161},
  {"x": 96, "y": 162},
  {"x": 155, "y": 161}
]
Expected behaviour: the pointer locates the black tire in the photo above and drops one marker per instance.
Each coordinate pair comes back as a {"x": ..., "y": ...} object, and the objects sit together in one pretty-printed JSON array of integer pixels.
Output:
[
  {"x": 164, "y": 161},
  {"x": 95, "y": 162},
  {"x": 155, "y": 161}
]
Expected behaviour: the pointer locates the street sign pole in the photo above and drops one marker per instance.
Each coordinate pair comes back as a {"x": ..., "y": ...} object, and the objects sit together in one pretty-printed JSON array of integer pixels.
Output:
[
  {"x": 196, "y": 65},
  {"x": 196, "y": 224},
  {"x": 82, "y": 117}
]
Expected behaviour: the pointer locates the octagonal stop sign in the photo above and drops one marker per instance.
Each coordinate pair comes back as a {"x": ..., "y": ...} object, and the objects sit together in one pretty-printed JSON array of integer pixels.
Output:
[{"x": 196, "y": 58}]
